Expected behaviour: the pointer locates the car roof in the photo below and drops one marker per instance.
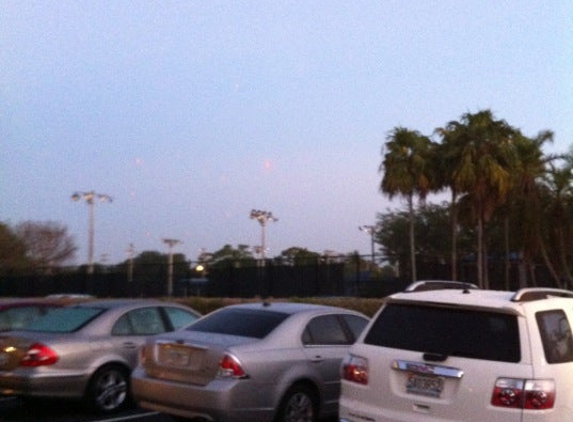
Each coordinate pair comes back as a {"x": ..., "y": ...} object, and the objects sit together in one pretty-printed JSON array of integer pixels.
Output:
[
  {"x": 17, "y": 302},
  {"x": 477, "y": 298},
  {"x": 462, "y": 297},
  {"x": 122, "y": 303},
  {"x": 289, "y": 307}
]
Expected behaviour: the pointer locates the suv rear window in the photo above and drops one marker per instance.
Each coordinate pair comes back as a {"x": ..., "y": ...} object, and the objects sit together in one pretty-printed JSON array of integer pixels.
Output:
[
  {"x": 240, "y": 322},
  {"x": 446, "y": 331}
]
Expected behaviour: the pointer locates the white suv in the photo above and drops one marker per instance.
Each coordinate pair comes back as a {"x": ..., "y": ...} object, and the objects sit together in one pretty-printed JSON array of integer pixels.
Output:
[{"x": 442, "y": 351}]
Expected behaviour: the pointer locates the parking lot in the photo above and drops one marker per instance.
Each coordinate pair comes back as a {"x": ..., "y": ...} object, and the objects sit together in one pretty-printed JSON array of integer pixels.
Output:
[{"x": 15, "y": 410}]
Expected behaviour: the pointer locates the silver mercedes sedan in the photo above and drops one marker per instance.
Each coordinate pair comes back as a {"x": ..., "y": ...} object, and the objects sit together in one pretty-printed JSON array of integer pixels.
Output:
[
  {"x": 250, "y": 362},
  {"x": 85, "y": 351}
]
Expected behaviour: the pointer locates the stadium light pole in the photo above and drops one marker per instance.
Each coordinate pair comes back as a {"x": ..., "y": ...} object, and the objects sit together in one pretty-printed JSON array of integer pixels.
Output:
[
  {"x": 170, "y": 244},
  {"x": 91, "y": 198},
  {"x": 370, "y": 230},
  {"x": 130, "y": 252},
  {"x": 263, "y": 217}
]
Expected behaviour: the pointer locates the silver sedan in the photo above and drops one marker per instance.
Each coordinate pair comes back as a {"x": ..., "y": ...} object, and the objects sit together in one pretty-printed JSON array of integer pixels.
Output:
[
  {"x": 250, "y": 362},
  {"x": 85, "y": 351}
]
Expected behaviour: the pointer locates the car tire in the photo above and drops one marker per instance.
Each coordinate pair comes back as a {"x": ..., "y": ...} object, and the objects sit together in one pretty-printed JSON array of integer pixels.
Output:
[
  {"x": 299, "y": 404},
  {"x": 109, "y": 389}
]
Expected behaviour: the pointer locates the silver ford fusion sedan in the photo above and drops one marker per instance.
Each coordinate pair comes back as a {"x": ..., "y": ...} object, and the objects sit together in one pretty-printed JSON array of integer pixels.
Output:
[
  {"x": 85, "y": 351},
  {"x": 250, "y": 362}
]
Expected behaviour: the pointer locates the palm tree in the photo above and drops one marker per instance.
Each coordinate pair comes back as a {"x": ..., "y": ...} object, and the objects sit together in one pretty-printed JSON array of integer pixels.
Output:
[
  {"x": 482, "y": 155},
  {"x": 559, "y": 181},
  {"x": 525, "y": 202},
  {"x": 446, "y": 159},
  {"x": 407, "y": 173}
]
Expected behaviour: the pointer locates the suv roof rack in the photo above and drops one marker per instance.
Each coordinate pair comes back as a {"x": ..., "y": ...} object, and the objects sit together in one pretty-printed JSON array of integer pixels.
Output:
[
  {"x": 538, "y": 293},
  {"x": 421, "y": 286}
]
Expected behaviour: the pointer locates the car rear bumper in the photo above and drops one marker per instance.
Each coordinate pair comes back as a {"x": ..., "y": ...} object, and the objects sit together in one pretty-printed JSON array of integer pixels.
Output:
[
  {"x": 41, "y": 385},
  {"x": 220, "y": 400}
]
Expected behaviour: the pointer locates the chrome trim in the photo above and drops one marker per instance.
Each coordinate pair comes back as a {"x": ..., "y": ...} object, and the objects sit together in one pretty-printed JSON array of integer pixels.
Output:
[
  {"x": 427, "y": 369},
  {"x": 179, "y": 343}
]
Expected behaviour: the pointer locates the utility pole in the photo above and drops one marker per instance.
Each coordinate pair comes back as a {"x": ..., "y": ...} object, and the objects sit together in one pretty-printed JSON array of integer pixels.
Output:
[
  {"x": 170, "y": 244},
  {"x": 371, "y": 230}
]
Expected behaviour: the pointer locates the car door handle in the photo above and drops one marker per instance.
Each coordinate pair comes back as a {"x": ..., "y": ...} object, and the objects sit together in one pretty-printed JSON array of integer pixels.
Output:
[
  {"x": 317, "y": 359},
  {"x": 130, "y": 345}
]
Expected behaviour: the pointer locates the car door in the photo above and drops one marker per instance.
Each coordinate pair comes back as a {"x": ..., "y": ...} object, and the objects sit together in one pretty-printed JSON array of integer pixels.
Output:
[
  {"x": 326, "y": 339},
  {"x": 133, "y": 327}
]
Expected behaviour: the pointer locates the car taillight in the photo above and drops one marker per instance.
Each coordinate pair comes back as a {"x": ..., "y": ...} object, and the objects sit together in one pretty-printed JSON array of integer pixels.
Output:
[
  {"x": 39, "y": 355},
  {"x": 355, "y": 369},
  {"x": 230, "y": 367},
  {"x": 524, "y": 394}
]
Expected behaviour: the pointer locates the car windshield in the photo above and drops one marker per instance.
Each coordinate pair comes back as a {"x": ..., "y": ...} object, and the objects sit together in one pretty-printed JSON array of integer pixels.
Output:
[
  {"x": 451, "y": 332},
  {"x": 64, "y": 320},
  {"x": 240, "y": 322}
]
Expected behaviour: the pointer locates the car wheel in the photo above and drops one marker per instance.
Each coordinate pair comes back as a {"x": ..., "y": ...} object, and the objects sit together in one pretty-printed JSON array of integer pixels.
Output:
[
  {"x": 108, "y": 390},
  {"x": 298, "y": 405}
]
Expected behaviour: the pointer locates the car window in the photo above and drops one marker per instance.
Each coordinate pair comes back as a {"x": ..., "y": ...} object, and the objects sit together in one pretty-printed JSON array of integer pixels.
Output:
[
  {"x": 144, "y": 321},
  {"x": 355, "y": 324},
  {"x": 64, "y": 320},
  {"x": 446, "y": 331},
  {"x": 555, "y": 335},
  {"x": 123, "y": 327},
  {"x": 324, "y": 330},
  {"x": 179, "y": 317},
  {"x": 18, "y": 317},
  {"x": 240, "y": 322}
]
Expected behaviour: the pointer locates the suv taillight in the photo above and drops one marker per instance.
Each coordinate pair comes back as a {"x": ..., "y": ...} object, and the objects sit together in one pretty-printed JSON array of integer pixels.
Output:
[
  {"x": 230, "y": 367},
  {"x": 524, "y": 394},
  {"x": 355, "y": 369},
  {"x": 39, "y": 355}
]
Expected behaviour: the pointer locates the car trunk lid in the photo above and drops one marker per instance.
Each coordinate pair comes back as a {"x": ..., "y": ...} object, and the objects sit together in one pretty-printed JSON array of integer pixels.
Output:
[{"x": 195, "y": 359}]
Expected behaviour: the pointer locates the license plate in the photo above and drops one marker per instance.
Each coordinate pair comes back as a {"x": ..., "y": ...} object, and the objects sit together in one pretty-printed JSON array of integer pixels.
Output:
[
  {"x": 424, "y": 385},
  {"x": 175, "y": 356}
]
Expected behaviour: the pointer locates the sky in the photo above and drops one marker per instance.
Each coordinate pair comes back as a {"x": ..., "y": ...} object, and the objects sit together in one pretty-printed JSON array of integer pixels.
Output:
[{"x": 191, "y": 113}]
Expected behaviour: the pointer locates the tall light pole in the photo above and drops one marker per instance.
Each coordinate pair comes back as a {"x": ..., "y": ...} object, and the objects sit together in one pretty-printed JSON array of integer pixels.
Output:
[
  {"x": 371, "y": 230},
  {"x": 130, "y": 252},
  {"x": 170, "y": 244},
  {"x": 91, "y": 198},
  {"x": 263, "y": 217}
]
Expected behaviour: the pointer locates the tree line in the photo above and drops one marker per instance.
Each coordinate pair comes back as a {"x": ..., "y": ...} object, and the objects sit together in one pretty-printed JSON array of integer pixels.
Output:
[
  {"x": 44, "y": 247},
  {"x": 508, "y": 199},
  {"x": 506, "y": 193}
]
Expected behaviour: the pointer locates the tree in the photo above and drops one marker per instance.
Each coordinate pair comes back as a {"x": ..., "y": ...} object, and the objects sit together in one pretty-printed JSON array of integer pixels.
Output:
[
  {"x": 524, "y": 201},
  {"x": 47, "y": 244},
  {"x": 229, "y": 256},
  {"x": 559, "y": 182},
  {"x": 408, "y": 173},
  {"x": 298, "y": 256},
  {"x": 483, "y": 157},
  {"x": 12, "y": 251},
  {"x": 432, "y": 228}
]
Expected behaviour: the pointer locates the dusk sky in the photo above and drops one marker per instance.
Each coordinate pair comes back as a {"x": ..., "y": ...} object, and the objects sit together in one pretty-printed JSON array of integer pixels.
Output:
[{"x": 191, "y": 113}]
